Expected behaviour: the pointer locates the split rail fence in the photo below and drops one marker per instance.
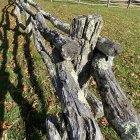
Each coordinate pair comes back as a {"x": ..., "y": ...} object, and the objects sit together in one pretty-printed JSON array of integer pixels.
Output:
[
  {"x": 108, "y": 3},
  {"x": 71, "y": 60}
]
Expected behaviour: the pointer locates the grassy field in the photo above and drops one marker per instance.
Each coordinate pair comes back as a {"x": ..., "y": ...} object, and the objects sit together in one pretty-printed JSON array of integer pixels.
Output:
[{"x": 26, "y": 95}]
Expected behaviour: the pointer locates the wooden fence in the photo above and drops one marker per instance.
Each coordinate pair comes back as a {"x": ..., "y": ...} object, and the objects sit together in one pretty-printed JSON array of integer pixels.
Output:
[
  {"x": 71, "y": 61},
  {"x": 107, "y": 3}
]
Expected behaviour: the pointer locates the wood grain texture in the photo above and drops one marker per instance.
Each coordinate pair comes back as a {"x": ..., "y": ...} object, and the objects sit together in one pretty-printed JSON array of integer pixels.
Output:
[
  {"x": 71, "y": 60},
  {"x": 118, "y": 110}
]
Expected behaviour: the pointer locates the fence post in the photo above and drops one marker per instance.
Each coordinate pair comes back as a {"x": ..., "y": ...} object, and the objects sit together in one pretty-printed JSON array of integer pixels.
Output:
[
  {"x": 129, "y": 2},
  {"x": 108, "y": 3},
  {"x": 69, "y": 60}
]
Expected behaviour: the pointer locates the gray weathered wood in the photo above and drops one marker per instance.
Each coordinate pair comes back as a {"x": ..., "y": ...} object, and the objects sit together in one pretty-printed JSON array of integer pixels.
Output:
[
  {"x": 28, "y": 21},
  {"x": 68, "y": 47},
  {"x": 78, "y": 117},
  {"x": 75, "y": 99},
  {"x": 119, "y": 111},
  {"x": 65, "y": 27},
  {"x": 46, "y": 56},
  {"x": 86, "y": 29},
  {"x": 17, "y": 15},
  {"x": 21, "y": 3},
  {"x": 129, "y": 3},
  {"x": 108, "y": 3},
  {"x": 95, "y": 104},
  {"x": 108, "y": 47},
  {"x": 53, "y": 133},
  {"x": 68, "y": 61}
]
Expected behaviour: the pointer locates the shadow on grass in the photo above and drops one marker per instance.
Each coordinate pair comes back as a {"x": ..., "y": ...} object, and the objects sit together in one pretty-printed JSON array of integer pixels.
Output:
[{"x": 34, "y": 121}]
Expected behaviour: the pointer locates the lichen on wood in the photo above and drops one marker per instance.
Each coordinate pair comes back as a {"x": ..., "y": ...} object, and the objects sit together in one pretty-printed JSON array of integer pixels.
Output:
[{"x": 71, "y": 60}]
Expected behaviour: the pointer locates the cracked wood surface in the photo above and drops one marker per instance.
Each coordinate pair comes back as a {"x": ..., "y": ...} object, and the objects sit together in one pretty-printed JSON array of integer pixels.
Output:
[
  {"x": 71, "y": 61},
  {"x": 119, "y": 111}
]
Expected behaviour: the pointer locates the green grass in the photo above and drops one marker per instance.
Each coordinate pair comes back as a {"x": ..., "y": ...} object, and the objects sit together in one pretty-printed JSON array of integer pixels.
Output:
[{"x": 26, "y": 95}]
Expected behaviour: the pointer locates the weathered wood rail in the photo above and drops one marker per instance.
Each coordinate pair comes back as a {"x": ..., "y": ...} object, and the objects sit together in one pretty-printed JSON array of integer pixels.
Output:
[
  {"x": 108, "y": 3},
  {"x": 71, "y": 61}
]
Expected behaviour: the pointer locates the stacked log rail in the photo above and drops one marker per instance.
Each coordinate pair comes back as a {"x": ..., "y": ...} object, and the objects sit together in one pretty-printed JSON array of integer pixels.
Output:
[{"x": 71, "y": 61}]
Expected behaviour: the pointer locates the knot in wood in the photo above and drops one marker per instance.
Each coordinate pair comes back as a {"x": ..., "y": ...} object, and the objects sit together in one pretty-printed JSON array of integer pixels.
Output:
[
  {"x": 70, "y": 50},
  {"x": 63, "y": 75}
]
